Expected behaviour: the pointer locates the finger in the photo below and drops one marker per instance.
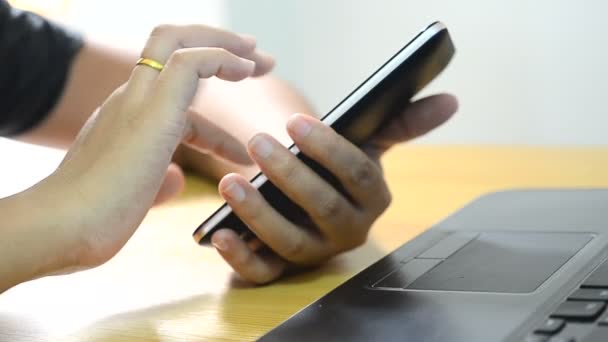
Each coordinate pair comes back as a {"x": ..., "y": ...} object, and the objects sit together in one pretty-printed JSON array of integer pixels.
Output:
[
  {"x": 255, "y": 244},
  {"x": 263, "y": 62},
  {"x": 176, "y": 85},
  {"x": 334, "y": 215},
  {"x": 259, "y": 269},
  {"x": 207, "y": 137},
  {"x": 417, "y": 119},
  {"x": 166, "y": 39},
  {"x": 283, "y": 237},
  {"x": 172, "y": 185},
  {"x": 358, "y": 173},
  {"x": 163, "y": 120}
]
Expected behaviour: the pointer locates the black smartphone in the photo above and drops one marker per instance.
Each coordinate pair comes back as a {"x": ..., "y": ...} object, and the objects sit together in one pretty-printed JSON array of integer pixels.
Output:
[{"x": 381, "y": 96}]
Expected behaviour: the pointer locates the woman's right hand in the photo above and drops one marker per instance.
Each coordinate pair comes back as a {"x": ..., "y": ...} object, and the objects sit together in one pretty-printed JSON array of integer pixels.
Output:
[{"x": 121, "y": 160}]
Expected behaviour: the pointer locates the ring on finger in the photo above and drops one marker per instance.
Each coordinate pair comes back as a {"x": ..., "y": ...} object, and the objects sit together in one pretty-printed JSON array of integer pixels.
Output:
[{"x": 150, "y": 63}]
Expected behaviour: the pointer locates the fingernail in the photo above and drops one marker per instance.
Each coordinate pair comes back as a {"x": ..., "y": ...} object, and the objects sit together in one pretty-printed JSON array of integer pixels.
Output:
[
  {"x": 299, "y": 126},
  {"x": 235, "y": 191},
  {"x": 220, "y": 245},
  {"x": 261, "y": 146}
]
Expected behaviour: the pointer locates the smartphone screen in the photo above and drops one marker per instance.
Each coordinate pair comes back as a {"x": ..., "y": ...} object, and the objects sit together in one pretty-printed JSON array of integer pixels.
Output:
[{"x": 357, "y": 117}]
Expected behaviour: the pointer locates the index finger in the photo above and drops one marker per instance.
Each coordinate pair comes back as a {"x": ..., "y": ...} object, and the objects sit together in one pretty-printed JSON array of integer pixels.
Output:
[
  {"x": 207, "y": 137},
  {"x": 166, "y": 39}
]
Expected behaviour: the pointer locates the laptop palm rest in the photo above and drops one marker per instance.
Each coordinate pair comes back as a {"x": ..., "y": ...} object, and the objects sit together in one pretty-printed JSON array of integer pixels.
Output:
[
  {"x": 503, "y": 262},
  {"x": 495, "y": 270}
]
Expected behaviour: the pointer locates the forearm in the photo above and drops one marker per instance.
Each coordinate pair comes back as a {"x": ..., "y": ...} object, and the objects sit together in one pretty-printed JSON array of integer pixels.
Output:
[{"x": 96, "y": 71}]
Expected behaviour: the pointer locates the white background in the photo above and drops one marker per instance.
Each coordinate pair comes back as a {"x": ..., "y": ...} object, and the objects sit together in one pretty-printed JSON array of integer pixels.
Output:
[{"x": 526, "y": 72}]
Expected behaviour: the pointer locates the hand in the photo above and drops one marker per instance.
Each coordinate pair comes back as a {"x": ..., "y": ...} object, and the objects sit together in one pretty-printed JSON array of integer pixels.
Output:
[
  {"x": 263, "y": 106},
  {"x": 339, "y": 223},
  {"x": 120, "y": 162}
]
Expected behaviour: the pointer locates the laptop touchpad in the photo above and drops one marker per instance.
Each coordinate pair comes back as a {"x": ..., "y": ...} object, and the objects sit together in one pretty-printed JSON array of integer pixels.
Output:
[{"x": 496, "y": 262}]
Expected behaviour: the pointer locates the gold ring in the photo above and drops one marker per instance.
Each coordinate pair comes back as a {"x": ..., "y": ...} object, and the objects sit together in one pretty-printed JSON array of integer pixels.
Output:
[{"x": 151, "y": 63}]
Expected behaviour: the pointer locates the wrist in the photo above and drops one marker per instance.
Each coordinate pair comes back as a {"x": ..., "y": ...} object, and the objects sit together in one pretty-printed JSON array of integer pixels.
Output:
[
  {"x": 36, "y": 239},
  {"x": 55, "y": 226}
]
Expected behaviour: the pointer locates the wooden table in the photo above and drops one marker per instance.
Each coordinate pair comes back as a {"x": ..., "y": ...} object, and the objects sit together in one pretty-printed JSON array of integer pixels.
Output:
[{"x": 163, "y": 287}]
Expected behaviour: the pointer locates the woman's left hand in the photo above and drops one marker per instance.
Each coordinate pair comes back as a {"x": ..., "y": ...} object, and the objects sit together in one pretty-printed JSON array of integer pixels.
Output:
[{"x": 341, "y": 223}]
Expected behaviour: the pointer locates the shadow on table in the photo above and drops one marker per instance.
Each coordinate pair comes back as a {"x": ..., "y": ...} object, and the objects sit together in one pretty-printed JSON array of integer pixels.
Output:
[
  {"x": 343, "y": 266},
  {"x": 295, "y": 291},
  {"x": 234, "y": 313}
]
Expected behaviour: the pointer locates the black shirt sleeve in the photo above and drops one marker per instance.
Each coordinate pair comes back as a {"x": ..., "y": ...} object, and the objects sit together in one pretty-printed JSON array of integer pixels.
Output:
[{"x": 35, "y": 58}]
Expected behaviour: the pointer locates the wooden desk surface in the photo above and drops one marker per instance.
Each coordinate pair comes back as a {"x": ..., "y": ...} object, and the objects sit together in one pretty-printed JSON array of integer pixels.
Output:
[{"x": 163, "y": 287}]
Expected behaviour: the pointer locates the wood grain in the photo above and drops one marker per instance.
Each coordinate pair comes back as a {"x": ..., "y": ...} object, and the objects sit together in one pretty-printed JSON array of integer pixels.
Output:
[{"x": 163, "y": 287}]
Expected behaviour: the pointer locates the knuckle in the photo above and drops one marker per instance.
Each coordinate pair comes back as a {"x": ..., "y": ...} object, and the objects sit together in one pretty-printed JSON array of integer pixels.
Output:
[
  {"x": 357, "y": 241},
  {"x": 162, "y": 30},
  {"x": 289, "y": 172},
  {"x": 244, "y": 259},
  {"x": 387, "y": 198},
  {"x": 179, "y": 58},
  {"x": 364, "y": 173},
  {"x": 294, "y": 251},
  {"x": 383, "y": 199},
  {"x": 255, "y": 214},
  {"x": 331, "y": 148},
  {"x": 330, "y": 207},
  {"x": 217, "y": 52}
]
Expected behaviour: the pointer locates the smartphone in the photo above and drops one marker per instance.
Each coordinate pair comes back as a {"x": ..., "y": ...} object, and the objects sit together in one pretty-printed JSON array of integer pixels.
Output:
[{"x": 380, "y": 97}]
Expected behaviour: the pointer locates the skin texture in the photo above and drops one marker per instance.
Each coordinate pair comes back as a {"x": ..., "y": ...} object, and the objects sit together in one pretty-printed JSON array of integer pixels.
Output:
[
  {"x": 340, "y": 223},
  {"x": 121, "y": 163},
  {"x": 122, "y": 156}
]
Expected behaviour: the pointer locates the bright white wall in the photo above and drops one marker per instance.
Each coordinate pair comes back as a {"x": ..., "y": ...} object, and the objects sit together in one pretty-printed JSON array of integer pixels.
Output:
[
  {"x": 526, "y": 72},
  {"x": 128, "y": 22}
]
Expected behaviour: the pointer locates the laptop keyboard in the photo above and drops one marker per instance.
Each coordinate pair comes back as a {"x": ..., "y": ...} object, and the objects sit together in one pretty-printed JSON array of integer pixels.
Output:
[{"x": 582, "y": 317}]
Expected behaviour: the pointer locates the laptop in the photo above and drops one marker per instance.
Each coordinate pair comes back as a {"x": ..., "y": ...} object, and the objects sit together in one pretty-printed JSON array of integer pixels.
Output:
[{"x": 520, "y": 265}]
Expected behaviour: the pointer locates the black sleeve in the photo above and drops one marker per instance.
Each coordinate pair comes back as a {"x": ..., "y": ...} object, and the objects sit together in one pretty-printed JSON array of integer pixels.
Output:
[{"x": 35, "y": 58}]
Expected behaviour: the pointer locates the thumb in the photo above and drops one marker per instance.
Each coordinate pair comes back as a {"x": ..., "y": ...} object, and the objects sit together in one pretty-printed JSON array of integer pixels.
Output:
[{"x": 417, "y": 119}]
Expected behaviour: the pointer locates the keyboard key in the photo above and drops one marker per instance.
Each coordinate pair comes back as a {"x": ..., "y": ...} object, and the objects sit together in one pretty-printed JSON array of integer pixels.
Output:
[
  {"x": 579, "y": 310},
  {"x": 590, "y": 294},
  {"x": 599, "y": 334},
  {"x": 598, "y": 278},
  {"x": 550, "y": 326}
]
